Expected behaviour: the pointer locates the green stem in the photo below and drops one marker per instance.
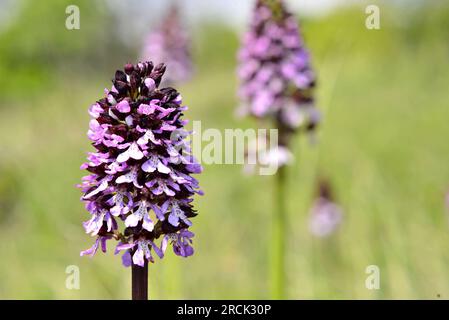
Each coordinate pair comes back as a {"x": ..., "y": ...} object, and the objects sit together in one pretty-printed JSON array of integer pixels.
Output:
[{"x": 278, "y": 238}]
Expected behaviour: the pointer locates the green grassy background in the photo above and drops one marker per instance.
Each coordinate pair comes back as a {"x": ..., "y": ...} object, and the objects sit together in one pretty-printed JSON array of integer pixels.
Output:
[{"x": 383, "y": 143}]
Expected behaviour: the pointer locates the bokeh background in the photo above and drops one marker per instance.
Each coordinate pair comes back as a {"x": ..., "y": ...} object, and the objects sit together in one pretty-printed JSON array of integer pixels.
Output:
[{"x": 383, "y": 144}]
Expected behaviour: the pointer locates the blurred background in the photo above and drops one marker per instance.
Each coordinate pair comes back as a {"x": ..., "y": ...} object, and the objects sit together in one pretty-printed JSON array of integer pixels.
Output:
[{"x": 383, "y": 145}]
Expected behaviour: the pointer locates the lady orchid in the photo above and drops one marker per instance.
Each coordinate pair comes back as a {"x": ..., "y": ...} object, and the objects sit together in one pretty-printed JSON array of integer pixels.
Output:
[{"x": 140, "y": 186}]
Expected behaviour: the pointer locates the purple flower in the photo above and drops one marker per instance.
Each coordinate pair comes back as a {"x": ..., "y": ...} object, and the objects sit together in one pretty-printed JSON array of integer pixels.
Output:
[
  {"x": 180, "y": 241},
  {"x": 119, "y": 205},
  {"x": 142, "y": 252},
  {"x": 101, "y": 241},
  {"x": 131, "y": 176},
  {"x": 148, "y": 109},
  {"x": 154, "y": 163},
  {"x": 325, "y": 215},
  {"x": 100, "y": 219},
  {"x": 176, "y": 213},
  {"x": 134, "y": 180},
  {"x": 170, "y": 43},
  {"x": 123, "y": 106},
  {"x": 95, "y": 110},
  {"x": 141, "y": 214},
  {"x": 133, "y": 152},
  {"x": 274, "y": 70}
]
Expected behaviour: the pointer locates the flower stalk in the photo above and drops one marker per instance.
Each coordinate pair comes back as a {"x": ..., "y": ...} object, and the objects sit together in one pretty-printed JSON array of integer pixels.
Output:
[
  {"x": 279, "y": 237},
  {"x": 139, "y": 280}
]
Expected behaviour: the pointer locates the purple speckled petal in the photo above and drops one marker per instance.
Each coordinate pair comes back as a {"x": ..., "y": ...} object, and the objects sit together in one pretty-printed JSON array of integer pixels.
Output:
[
  {"x": 147, "y": 223},
  {"x": 173, "y": 219}
]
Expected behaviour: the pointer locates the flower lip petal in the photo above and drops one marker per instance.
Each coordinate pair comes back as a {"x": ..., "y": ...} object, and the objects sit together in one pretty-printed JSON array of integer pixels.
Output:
[
  {"x": 138, "y": 257},
  {"x": 149, "y": 166},
  {"x": 145, "y": 109},
  {"x": 163, "y": 168},
  {"x": 134, "y": 152},
  {"x": 103, "y": 185},
  {"x": 123, "y": 106}
]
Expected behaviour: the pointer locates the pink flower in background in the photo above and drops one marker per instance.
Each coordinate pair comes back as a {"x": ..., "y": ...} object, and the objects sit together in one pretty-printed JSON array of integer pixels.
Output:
[
  {"x": 170, "y": 43},
  {"x": 325, "y": 215},
  {"x": 274, "y": 70}
]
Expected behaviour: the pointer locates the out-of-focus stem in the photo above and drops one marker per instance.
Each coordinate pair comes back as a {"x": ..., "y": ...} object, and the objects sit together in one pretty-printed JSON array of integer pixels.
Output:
[{"x": 278, "y": 238}]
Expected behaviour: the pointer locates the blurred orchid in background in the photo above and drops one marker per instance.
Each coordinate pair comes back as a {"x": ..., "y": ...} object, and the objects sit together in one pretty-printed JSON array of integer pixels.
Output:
[
  {"x": 274, "y": 69},
  {"x": 325, "y": 215},
  {"x": 170, "y": 43}
]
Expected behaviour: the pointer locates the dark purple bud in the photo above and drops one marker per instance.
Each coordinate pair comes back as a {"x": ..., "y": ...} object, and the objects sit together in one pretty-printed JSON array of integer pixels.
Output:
[
  {"x": 120, "y": 76},
  {"x": 128, "y": 68}
]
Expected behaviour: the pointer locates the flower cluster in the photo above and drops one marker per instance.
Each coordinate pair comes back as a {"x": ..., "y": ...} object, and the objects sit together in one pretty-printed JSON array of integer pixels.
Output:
[
  {"x": 140, "y": 172},
  {"x": 274, "y": 69},
  {"x": 325, "y": 215},
  {"x": 170, "y": 43}
]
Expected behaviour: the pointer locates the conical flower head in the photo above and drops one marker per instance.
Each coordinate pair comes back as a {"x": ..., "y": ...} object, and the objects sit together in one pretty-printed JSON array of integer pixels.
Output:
[
  {"x": 170, "y": 43},
  {"x": 274, "y": 69},
  {"x": 140, "y": 185}
]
